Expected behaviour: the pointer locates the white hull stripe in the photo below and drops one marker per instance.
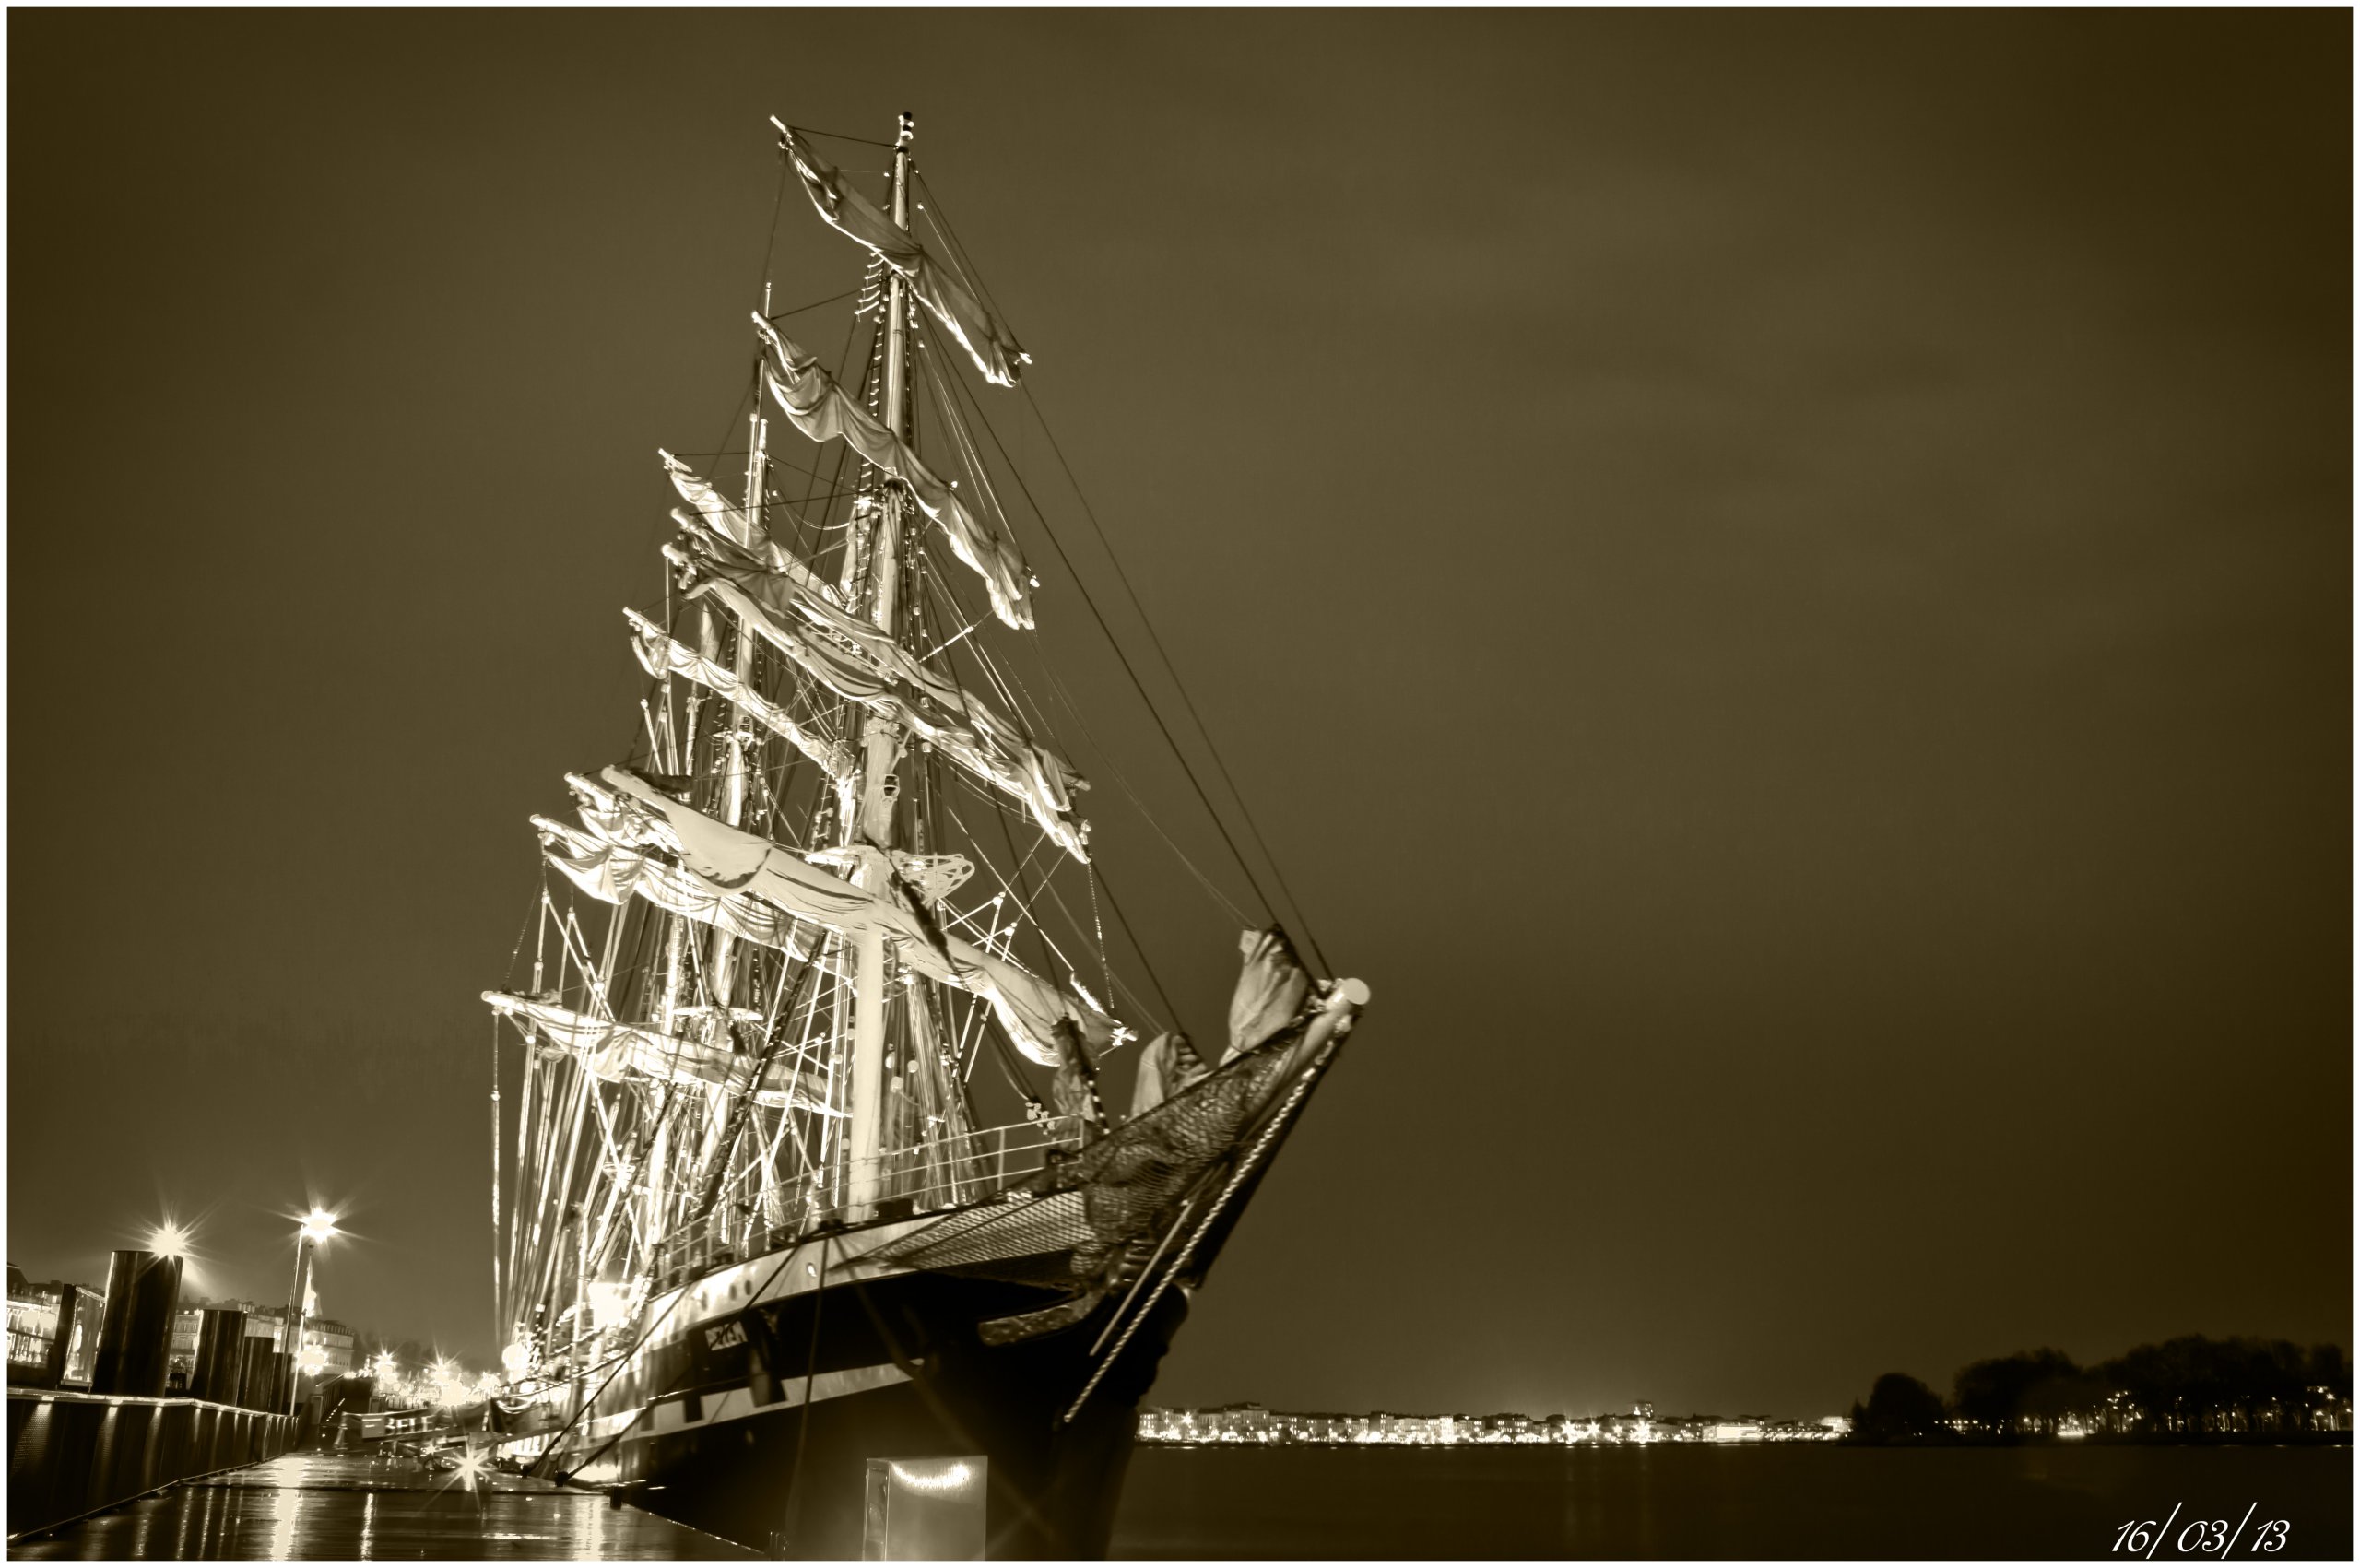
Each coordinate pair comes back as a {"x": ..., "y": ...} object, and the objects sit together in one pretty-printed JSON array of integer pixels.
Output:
[
  {"x": 730, "y": 1289},
  {"x": 737, "y": 1404}
]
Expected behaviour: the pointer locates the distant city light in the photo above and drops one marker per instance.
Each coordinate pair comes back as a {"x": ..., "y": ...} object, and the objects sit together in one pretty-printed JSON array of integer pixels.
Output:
[
  {"x": 450, "y": 1383},
  {"x": 1254, "y": 1424}
]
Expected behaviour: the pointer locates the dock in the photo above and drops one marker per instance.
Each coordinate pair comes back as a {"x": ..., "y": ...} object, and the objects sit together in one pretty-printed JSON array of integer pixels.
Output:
[{"x": 369, "y": 1506}]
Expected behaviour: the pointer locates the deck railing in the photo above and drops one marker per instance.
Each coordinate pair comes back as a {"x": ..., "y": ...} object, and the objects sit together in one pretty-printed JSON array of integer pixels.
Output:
[{"x": 923, "y": 1180}]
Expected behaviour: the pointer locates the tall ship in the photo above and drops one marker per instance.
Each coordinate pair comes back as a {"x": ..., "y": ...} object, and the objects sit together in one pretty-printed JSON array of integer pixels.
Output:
[{"x": 840, "y": 1115}]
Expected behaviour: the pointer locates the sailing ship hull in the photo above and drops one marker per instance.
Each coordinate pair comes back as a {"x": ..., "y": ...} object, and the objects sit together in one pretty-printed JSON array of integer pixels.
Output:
[{"x": 895, "y": 1369}]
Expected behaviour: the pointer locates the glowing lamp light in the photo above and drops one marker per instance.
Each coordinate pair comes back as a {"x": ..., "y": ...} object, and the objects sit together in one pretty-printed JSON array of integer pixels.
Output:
[
  {"x": 318, "y": 1225},
  {"x": 951, "y": 1480},
  {"x": 516, "y": 1358},
  {"x": 168, "y": 1241},
  {"x": 314, "y": 1360},
  {"x": 609, "y": 1303}
]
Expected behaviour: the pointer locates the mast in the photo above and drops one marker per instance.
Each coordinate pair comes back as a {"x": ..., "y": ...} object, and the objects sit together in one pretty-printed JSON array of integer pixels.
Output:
[
  {"x": 881, "y": 743},
  {"x": 734, "y": 760}
]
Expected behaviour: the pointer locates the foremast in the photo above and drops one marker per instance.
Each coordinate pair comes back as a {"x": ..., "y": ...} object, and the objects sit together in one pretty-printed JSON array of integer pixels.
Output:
[{"x": 880, "y": 785}]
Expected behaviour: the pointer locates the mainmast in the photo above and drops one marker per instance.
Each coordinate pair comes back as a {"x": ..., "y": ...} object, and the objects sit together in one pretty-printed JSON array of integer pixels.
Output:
[{"x": 880, "y": 744}]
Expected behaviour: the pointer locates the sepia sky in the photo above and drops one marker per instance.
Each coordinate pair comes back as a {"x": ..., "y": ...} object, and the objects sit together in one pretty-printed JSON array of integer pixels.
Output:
[{"x": 1779, "y": 585}]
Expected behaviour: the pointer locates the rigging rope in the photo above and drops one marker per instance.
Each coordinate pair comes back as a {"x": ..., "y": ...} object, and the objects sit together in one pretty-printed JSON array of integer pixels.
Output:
[
  {"x": 940, "y": 221},
  {"x": 770, "y": 244},
  {"x": 1302, "y": 920},
  {"x": 1137, "y": 685},
  {"x": 839, "y": 136},
  {"x": 812, "y": 306}
]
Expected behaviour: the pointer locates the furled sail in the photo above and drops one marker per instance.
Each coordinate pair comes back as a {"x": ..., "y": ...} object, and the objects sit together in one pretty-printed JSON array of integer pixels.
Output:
[
  {"x": 1169, "y": 1065},
  {"x": 978, "y": 738},
  {"x": 607, "y": 1050},
  {"x": 821, "y": 410},
  {"x": 788, "y": 599},
  {"x": 968, "y": 320},
  {"x": 613, "y": 874},
  {"x": 660, "y": 654},
  {"x": 1270, "y": 990},
  {"x": 725, "y": 858},
  {"x": 734, "y": 523}
]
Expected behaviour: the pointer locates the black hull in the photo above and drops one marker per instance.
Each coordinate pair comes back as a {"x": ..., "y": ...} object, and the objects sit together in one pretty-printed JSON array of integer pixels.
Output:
[
  {"x": 760, "y": 1392},
  {"x": 751, "y": 1462}
]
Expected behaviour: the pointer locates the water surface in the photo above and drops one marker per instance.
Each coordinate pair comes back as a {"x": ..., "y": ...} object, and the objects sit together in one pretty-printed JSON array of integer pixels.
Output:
[{"x": 1778, "y": 1500}]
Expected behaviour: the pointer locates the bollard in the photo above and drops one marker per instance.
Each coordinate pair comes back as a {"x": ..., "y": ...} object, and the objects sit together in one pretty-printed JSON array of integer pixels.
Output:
[
  {"x": 136, "y": 1336},
  {"x": 219, "y": 1356},
  {"x": 253, "y": 1373}
]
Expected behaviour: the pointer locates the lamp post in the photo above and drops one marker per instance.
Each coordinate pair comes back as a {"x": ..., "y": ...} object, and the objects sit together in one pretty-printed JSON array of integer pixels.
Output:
[{"x": 316, "y": 1227}]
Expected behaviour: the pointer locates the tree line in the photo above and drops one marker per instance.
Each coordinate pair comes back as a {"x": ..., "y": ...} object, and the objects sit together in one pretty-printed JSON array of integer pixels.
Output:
[{"x": 2188, "y": 1389}]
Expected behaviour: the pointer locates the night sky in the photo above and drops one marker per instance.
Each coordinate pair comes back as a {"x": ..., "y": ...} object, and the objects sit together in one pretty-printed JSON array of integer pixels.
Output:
[{"x": 1781, "y": 586}]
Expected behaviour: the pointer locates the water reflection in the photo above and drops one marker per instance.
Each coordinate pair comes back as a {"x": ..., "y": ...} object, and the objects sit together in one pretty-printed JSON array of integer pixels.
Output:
[{"x": 321, "y": 1507}]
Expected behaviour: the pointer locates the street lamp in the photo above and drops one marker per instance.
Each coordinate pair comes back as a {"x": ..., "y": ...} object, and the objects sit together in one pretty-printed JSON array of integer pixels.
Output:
[{"x": 314, "y": 1228}]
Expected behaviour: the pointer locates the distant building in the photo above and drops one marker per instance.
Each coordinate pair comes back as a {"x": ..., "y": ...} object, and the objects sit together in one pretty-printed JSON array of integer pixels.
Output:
[
  {"x": 32, "y": 1328},
  {"x": 188, "y": 1325},
  {"x": 334, "y": 1341},
  {"x": 34, "y": 1313}
]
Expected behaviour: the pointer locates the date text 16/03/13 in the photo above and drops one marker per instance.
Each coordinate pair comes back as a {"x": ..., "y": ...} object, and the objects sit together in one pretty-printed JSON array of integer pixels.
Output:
[{"x": 2201, "y": 1538}]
